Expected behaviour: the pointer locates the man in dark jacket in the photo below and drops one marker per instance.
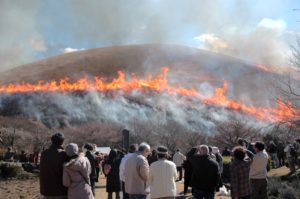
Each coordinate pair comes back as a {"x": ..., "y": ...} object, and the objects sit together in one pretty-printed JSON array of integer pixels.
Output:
[
  {"x": 51, "y": 169},
  {"x": 93, "y": 161},
  {"x": 205, "y": 177}
]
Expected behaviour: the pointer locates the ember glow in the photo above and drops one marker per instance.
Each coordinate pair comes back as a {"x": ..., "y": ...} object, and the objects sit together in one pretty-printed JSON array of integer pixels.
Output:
[{"x": 284, "y": 111}]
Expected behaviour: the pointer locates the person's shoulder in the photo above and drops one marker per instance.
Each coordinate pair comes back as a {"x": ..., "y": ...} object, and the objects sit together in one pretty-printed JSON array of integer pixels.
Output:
[
  {"x": 212, "y": 162},
  {"x": 170, "y": 163}
]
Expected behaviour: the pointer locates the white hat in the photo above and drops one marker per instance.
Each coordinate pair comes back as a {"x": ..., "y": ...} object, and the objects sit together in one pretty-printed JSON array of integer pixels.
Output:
[{"x": 215, "y": 150}]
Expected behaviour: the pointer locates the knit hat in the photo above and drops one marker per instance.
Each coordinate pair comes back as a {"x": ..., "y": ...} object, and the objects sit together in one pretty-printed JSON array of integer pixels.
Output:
[
  {"x": 71, "y": 149},
  {"x": 162, "y": 150}
]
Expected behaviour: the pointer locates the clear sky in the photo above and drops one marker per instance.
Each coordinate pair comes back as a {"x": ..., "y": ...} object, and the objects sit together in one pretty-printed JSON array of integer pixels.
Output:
[{"x": 259, "y": 31}]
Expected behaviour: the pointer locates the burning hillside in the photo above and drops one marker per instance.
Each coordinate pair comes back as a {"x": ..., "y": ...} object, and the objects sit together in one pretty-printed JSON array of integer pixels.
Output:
[
  {"x": 158, "y": 84},
  {"x": 84, "y": 100},
  {"x": 196, "y": 90}
]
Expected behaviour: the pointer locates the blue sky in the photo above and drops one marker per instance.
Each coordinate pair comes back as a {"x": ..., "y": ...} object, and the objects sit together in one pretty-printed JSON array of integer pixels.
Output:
[{"x": 254, "y": 30}]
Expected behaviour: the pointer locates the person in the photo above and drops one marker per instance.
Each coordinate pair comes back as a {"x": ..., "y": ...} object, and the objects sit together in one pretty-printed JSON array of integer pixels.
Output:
[
  {"x": 162, "y": 177},
  {"x": 297, "y": 149},
  {"x": 93, "y": 162},
  {"x": 9, "y": 155},
  {"x": 132, "y": 150},
  {"x": 23, "y": 157},
  {"x": 219, "y": 159},
  {"x": 205, "y": 177},
  {"x": 113, "y": 183},
  {"x": 239, "y": 174},
  {"x": 258, "y": 172},
  {"x": 290, "y": 157},
  {"x": 241, "y": 142},
  {"x": 272, "y": 149},
  {"x": 226, "y": 152},
  {"x": 178, "y": 159},
  {"x": 153, "y": 157},
  {"x": 188, "y": 170},
  {"x": 76, "y": 173},
  {"x": 211, "y": 154},
  {"x": 281, "y": 154},
  {"x": 137, "y": 173},
  {"x": 51, "y": 169},
  {"x": 98, "y": 164}
]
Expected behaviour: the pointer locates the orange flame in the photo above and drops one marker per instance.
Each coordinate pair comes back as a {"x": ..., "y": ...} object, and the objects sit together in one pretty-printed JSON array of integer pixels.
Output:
[
  {"x": 284, "y": 111},
  {"x": 263, "y": 67}
]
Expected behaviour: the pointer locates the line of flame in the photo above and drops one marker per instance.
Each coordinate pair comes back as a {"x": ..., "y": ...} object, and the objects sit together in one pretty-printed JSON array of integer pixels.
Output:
[{"x": 284, "y": 111}]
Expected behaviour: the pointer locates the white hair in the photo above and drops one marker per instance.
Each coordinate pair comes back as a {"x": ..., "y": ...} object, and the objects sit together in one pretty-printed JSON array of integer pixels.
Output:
[
  {"x": 143, "y": 146},
  {"x": 204, "y": 150}
]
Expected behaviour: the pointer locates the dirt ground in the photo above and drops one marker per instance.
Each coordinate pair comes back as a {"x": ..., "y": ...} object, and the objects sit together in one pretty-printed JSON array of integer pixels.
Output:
[{"x": 29, "y": 189}]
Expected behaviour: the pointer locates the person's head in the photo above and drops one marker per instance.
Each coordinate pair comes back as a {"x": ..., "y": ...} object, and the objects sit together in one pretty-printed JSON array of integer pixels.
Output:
[
  {"x": 203, "y": 150},
  {"x": 177, "y": 150},
  {"x": 215, "y": 150},
  {"x": 57, "y": 139},
  {"x": 112, "y": 155},
  {"x": 210, "y": 149},
  {"x": 144, "y": 149},
  {"x": 9, "y": 149},
  {"x": 88, "y": 147},
  {"x": 162, "y": 152},
  {"x": 97, "y": 153},
  {"x": 132, "y": 148},
  {"x": 192, "y": 151},
  {"x": 72, "y": 150},
  {"x": 259, "y": 146},
  {"x": 22, "y": 152},
  {"x": 154, "y": 152},
  {"x": 239, "y": 153},
  {"x": 240, "y": 142}
]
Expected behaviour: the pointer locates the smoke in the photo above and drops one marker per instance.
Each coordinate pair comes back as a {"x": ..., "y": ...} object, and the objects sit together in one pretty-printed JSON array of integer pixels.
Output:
[
  {"x": 20, "y": 39},
  {"x": 59, "y": 110},
  {"x": 69, "y": 50},
  {"x": 29, "y": 29}
]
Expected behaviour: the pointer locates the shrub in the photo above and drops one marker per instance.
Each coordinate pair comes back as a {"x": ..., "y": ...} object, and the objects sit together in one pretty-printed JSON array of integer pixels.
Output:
[
  {"x": 288, "y": 192},
  {"x": 273, "y": 187},
  {"x": 10, "y": 169}
]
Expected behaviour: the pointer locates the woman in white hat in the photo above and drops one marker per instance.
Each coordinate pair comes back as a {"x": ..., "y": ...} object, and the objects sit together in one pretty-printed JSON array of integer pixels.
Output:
[
  {"x": 163, "y": 175},
  {"x": 76, "y": 173}
]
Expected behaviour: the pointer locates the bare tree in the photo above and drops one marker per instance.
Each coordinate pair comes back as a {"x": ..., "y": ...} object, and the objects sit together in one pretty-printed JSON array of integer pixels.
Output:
[
  {"x": 230, "y": 131},
  {"x": 290, "y": 92}
]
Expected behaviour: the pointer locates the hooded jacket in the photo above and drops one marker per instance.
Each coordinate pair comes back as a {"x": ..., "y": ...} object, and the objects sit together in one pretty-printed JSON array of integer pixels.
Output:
[{"x": 76, "y": 177}]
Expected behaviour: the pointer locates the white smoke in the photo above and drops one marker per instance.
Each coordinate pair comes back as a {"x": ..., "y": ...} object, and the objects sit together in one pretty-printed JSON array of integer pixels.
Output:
[
  {"x": 57, "y": 110},
  {"x": 69, "y": 50}
]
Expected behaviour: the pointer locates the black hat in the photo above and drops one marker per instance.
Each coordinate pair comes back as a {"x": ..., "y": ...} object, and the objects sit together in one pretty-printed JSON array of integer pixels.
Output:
[
  {"x": 162, "y": 150},
  {"x": 57, "y": 138},
  {"x": 88, "y": 146}
]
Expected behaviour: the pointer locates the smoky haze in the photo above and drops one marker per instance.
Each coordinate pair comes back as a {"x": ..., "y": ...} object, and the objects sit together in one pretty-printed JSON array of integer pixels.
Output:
[{"x": 26, "y": 26}]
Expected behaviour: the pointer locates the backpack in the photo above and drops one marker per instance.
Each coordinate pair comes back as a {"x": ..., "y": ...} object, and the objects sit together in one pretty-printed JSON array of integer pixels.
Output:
[{"x": 107, "y": 168}]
